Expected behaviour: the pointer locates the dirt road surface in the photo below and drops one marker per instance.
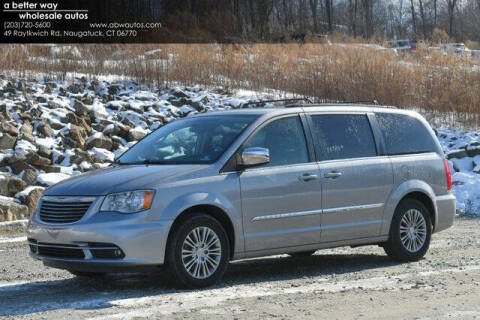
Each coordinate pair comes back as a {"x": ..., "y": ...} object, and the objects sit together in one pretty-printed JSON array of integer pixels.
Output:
[{"x": 341, "y": 283}]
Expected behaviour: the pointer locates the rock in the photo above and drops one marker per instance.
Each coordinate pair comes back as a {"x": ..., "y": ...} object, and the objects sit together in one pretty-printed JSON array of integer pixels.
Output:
[
  {"x": 27, "y": 136},
  {"x": 50, "y": 169},
  {"x": 75, "y": 88},
  {"x": 473, "y": 149},
  {"x": 25, "y": 116},
  {"x": 136, "y": 134},
  {"x": 7, "y": 141},
  {"x": 37, "y": 160},
  {"x": 77, "y": 134},
  {"x": 55, "y": 105},
  {"x": 80, "y": 109},
  {"x": 179, "y": 93},
  {"x": 10, "y": 185},
  {"x": 81, "y": 156},
  {"x": 68, "y": 143},
  {"x": 45, "y": 130},
  {"x": 88, "y": 100},
  {"x": 100, "y": 141},
  {"x": 44, "y": 152},
  {"x": 457, "y": 154},
  {"x": 29, "y": 176},
  {"x": 32, "y": 198},
  {"x": 41, "y": 99},
  {"x": 114, "y": 89},
  {"x": 26, "y": 127},
  {"x": 56, "y": 125},
  {"x": 51, "y": 84},
  {"x": 6, "y": 127},
  {"x": 10, "y": 210}
]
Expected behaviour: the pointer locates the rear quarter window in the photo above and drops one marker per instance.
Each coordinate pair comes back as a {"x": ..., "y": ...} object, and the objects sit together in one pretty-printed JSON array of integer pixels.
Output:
[{"x": 404, "y": 134}]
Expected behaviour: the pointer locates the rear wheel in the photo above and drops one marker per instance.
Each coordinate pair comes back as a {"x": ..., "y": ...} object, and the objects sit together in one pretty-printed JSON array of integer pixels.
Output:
[
  {"x": 410, "y": 232},
  {"x": 302, "y": 254},
  {"x": 198, "y": 252}
]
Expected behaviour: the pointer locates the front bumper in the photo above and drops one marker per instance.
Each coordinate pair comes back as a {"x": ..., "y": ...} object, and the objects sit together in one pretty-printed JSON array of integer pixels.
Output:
[{"x": 141, "y": 241}]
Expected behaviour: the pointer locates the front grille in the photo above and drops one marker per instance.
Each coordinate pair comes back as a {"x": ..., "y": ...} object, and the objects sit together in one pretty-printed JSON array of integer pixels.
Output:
[
  {"x": 63, "y": 211},
  {"x": 60, "y": 251}
]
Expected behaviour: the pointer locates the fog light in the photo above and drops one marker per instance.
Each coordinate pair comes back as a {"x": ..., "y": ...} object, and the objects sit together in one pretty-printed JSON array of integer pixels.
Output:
[{"x": 118, "y": 253}]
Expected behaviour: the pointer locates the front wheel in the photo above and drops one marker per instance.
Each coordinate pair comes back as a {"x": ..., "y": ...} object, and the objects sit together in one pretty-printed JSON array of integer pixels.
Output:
[
  {"x": 410, "y": 232},
  {"x": 198, "y": 252}
]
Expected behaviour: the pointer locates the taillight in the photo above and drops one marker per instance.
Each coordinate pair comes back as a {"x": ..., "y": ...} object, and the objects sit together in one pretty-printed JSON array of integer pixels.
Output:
[{"x": 448, "y": 174}]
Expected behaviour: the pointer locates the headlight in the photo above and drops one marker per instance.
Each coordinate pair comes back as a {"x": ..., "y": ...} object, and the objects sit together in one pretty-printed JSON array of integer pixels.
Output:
[{"x": 128, "y": 202}]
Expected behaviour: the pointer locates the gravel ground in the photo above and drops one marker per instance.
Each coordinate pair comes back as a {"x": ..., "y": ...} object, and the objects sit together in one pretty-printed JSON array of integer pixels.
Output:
[{"x": 339, "y": 283}]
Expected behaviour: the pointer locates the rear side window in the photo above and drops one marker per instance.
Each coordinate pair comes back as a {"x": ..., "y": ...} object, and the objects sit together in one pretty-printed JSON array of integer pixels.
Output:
[
  {"x": 404, "y": 134},
  {"x": 285, "y": 140},
  {"x": 343, "y": 136}
]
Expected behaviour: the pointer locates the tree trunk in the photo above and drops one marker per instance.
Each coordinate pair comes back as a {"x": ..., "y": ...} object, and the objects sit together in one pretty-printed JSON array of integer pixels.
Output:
[
  {"x": 434, "y": 13},
  {"x": 328, "y": 9},
  {"x": 451, "y": 11},
  {"x": 414, "y": 20},
  {"x": 314, "y": 8},
  {"x": 422, "y": 15}
]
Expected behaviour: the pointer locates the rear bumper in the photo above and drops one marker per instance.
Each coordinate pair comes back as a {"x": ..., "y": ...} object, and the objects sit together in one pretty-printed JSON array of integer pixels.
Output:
[
  {"x": 142, "y": 242},
  {"x": 446, "y": 211}
]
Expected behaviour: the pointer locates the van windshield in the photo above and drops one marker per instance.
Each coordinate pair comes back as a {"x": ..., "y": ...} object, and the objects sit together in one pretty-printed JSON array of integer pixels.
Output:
[{"x": 196, "y": 140}]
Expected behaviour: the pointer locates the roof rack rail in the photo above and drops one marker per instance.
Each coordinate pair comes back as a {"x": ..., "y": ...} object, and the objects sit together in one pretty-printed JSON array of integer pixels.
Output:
[{"x": 307, "y": 100}]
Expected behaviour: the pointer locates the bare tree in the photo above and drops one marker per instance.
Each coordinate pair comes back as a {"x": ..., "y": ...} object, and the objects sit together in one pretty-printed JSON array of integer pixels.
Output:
[
  {"x": 451, "y": 11},
  {"x": 414, "y": 19},
  {"x": 422, "y": 16},
  {"x": 328, "y": 11},
  {"x": 314, "y": 9}
]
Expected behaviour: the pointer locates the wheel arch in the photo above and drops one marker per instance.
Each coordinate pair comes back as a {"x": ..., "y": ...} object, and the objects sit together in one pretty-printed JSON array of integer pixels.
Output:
[
  {"x": 215, "y": 212},
  {"x": 413, "y": 189}
]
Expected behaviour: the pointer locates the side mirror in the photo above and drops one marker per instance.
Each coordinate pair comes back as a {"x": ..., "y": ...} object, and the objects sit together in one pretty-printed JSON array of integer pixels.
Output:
[{"x": 252, "y": 157}]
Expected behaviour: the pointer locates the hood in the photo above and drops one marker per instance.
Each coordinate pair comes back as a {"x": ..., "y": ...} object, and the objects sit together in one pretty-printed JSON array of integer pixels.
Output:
[{"x": 122, "y": 178}]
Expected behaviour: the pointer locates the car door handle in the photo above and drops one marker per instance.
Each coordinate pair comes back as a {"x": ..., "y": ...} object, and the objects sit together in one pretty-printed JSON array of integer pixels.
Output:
[
  {"x": 332, "y": 175},
  {"x": 307, "y": 177}
]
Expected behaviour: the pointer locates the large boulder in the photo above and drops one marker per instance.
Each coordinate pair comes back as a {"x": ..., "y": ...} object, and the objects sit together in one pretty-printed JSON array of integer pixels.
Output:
[
  {"x": 37, "y": 160},
  {"x": 9, "y": 128},
  {"x": 99, "y": 140},
  {"x": 29, "y": 175},
  {"x": 77, "y": 134},
  {"x": 80, "y": 109},
  {"x": 473, "y": 149},
  {"x": 10, "y": 185},
  {"x": 7, "y": 141},
  {"x": 30, "y": 197},
  {"x": 45, "y": 130},
  {"x": 136, "y": 134},
  {"x": 457, "y": 154},
  {"x": 10, "y": 210},
  {"x": 26, "y": 128}
]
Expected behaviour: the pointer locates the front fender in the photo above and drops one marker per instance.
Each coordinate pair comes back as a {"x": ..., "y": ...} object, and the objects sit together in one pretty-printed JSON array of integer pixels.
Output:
[
  {"x": 229, "y": 207},
  {"x": 399, "y": 193}
]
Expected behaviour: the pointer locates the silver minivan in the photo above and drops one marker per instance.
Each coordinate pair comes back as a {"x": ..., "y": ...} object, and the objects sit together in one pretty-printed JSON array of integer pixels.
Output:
[{"x": 211, "y": 188}]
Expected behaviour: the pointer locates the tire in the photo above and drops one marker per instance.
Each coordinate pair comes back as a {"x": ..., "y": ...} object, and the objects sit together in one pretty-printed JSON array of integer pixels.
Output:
[
  {"x": 198, "y": 268},
  {"x": 88, "y": 274},
  {"x": 302, "y": 254},
  {"x": 414, "y": 245}
]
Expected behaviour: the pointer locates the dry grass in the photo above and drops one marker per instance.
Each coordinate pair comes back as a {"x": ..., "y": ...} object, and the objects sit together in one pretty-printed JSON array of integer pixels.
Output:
[{"x": 428, "y": 80}]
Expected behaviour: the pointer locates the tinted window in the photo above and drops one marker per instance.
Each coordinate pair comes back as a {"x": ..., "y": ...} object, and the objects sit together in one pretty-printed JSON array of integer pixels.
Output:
[
  {"x": 404, "y": 134},
  {"x": 343, "y": 136},
  {"x": 188, "y": 141},
  {"x": 285, "y": 139}
]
